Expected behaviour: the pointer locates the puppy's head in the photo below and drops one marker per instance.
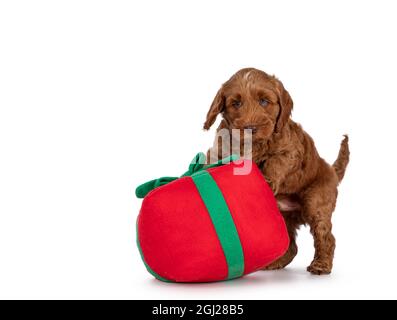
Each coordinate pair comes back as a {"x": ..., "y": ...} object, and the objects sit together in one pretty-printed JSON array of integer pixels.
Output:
[{"x": 252, "y": 99}]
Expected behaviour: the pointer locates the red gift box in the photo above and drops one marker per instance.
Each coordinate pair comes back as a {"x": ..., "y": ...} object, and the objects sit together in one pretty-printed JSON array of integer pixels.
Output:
[{"x": 210, "y": 225}]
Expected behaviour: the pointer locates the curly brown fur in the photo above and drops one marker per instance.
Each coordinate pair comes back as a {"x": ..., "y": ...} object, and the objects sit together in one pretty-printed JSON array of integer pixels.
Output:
[{"x": 303, "y": 183}]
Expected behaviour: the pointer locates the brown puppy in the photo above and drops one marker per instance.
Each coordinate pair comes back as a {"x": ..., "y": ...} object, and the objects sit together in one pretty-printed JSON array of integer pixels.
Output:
[{"x": 303, "y": 183}]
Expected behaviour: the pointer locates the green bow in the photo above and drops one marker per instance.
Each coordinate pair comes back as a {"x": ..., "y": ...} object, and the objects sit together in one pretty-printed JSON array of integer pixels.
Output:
[{"x": 197, "y": 164}]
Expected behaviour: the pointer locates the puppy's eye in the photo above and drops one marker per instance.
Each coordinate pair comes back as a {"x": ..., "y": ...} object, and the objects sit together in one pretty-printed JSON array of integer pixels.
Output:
[
  {"x": 236, "y": 104},
  {"x": 263, "y": 102}
]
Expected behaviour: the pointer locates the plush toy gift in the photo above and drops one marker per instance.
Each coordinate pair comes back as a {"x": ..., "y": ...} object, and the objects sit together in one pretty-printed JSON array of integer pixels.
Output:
[{"x": 209, "y": 225}]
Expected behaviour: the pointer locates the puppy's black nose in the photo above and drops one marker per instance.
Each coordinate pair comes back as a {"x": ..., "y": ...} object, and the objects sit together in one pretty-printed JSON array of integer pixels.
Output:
[{"x": 250, "y": 127}]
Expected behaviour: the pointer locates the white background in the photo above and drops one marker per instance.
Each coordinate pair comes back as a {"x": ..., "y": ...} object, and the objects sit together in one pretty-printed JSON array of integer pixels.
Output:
[{"x": 99, "y": 96}]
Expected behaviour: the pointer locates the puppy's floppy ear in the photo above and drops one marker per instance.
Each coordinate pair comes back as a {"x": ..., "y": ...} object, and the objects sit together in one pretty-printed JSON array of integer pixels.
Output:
[
  {"x": 216, "y": 108},
  {"x": 286, "y": 105}
]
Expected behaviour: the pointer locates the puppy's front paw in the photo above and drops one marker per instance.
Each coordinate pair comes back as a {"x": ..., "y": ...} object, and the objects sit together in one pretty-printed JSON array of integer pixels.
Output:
[
  {"x": 274, "y": 266},
  {"x": 273, "y": 185},
  {"x": 319, "y": 267}
]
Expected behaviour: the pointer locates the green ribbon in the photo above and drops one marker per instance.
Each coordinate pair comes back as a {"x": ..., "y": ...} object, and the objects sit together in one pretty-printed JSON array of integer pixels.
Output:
[
  {"x": 197, "y": 165},
  {"x": 223, "y": 222}
]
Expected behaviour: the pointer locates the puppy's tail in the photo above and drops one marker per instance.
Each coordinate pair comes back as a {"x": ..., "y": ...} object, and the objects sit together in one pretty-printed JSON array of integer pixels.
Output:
[{"x": 341, "y": 162}]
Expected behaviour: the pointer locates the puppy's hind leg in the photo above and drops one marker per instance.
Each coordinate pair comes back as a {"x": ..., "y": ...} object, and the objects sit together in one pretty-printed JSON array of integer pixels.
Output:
[{"x": 319, "y": 203}]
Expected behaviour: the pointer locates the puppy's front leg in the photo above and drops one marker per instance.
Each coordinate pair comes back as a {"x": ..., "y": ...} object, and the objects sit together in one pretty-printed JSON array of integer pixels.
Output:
[
  {"x": 275, "y": 170},
  {"x": 286, "y": 259}
]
